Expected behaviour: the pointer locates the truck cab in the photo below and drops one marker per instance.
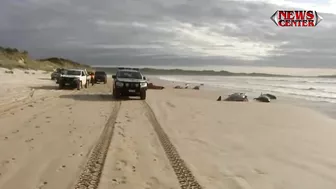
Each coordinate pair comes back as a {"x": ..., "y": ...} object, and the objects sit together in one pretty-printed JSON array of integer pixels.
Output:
[
  {"x": 129, "y": 82},
  {"x": 74, "y": 78}
]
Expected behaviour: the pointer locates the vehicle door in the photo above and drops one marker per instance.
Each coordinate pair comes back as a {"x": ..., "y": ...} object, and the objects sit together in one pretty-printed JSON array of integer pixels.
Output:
[{"x": 83, "y": 77}]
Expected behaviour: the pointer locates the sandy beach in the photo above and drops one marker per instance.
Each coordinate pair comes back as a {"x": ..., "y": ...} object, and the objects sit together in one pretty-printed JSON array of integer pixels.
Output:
[
  {"x": 249, "y": 145},
  {"x": 54, "y": 138}
]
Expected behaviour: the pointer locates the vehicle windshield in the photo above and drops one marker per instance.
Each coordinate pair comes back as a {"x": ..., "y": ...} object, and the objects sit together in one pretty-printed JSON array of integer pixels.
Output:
[
  {"x": 59, "y": 70},
  {"x": 100, "y": 73},
  {"x": 129, "y": 74},
  {"x": 71, "y": 72}
]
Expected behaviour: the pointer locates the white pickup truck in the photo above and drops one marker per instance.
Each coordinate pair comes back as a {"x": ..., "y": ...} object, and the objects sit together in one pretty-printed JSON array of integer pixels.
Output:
[{"x": 76, "y": 78}]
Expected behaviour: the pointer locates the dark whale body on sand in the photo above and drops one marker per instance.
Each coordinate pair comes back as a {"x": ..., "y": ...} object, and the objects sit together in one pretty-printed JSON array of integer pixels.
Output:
[
  {"x": 273, "y": 97},
  {"x": 238, "y": 97},
  {"x": 263, "y": 98}
]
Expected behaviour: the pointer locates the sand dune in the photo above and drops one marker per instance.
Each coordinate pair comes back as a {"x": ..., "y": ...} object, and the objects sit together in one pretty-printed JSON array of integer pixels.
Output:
[{"x": 48, "y": 140}]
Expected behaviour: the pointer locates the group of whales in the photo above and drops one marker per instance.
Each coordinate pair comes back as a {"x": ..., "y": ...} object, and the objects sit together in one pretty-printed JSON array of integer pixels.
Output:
[{"x": 242, "y": 97}]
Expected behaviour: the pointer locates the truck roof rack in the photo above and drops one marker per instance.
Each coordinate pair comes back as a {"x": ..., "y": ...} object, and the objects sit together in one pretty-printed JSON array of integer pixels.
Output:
[{"x": 124, "y": 68}]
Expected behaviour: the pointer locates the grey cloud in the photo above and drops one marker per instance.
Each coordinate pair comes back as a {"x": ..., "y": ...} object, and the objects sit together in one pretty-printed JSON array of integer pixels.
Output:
[{"x": 150, "y": 32}]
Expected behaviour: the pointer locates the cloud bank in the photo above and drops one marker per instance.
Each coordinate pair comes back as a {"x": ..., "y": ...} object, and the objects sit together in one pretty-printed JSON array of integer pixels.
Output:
[{"x": 175, "y": 32}]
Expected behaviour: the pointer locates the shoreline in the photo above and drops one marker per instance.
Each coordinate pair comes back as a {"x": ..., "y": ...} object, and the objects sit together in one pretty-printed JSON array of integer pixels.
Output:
[{"x": 325, "y": 108}]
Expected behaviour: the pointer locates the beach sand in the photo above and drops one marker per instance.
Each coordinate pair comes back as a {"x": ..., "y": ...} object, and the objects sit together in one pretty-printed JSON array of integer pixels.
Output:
[
  {"x": 249, "y": 145},
  {"x": 46, "y": 140}
]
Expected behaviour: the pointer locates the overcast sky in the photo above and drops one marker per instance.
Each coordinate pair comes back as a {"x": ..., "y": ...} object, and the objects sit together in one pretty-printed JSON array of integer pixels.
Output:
[{"x": 169, "y": 32}]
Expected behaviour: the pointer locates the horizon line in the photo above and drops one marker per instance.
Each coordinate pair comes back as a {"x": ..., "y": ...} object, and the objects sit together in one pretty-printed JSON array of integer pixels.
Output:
[{"x": 203, "y": 69}]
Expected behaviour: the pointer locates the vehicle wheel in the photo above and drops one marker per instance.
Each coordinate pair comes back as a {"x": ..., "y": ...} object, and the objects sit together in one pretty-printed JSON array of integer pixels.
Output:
[
  {"x": 60, "y": 85},
  {"x": 143, "y": 95},
  {"x": 115, "y": 94},
  {"x": 79, "y": 85}
]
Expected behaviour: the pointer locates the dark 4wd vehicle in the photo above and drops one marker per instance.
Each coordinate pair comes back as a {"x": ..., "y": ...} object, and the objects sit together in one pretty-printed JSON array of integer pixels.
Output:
[
  {"x": 129, "y": 82},
  {"x": 100, "y": 76},
  {"x": 56, "y": 74}
]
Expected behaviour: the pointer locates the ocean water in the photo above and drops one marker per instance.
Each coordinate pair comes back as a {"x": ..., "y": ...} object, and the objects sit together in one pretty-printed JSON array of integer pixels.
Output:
[{"x": 314, "y": 92}]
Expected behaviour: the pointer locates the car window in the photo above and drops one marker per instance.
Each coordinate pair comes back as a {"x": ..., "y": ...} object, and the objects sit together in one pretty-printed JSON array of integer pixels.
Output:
[
  {"x": 100, "y": 73},
  {"x": 129, "y": 74},
  {"x": 72, "y": 72}
]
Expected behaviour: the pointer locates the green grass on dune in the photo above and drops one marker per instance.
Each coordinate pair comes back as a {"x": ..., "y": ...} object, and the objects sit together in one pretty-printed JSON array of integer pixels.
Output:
[{"x": 12, "y": 58}]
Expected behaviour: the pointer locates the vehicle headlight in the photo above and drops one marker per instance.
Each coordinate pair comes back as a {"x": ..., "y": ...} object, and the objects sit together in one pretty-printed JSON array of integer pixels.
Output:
[
  {"x": 143, "y": 84},
  {"x": 119, "y": 84}
]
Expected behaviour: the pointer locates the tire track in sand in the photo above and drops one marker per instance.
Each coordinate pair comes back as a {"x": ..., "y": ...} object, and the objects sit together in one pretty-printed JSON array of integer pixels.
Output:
[
  {"x": 183, "y": 173},
  {"x": 136, "y": 158},
  {"x": 90, "y": 175}
]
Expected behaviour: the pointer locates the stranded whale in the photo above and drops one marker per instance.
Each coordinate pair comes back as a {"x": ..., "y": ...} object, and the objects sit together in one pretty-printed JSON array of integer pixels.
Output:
[
  {"x": 263, "y": 98},
  {"x": 273, "y": 97},
  {"x": 235, "y": 97}
]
